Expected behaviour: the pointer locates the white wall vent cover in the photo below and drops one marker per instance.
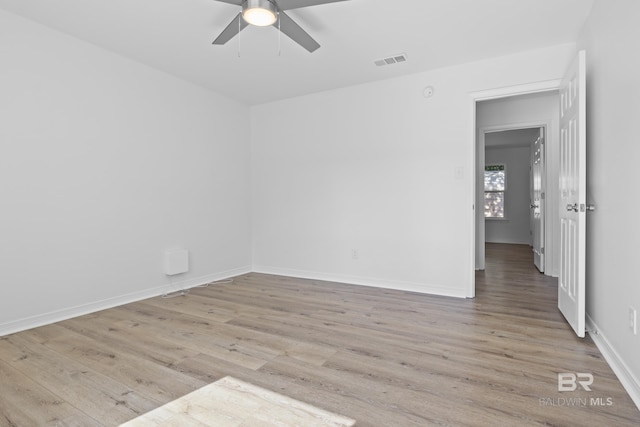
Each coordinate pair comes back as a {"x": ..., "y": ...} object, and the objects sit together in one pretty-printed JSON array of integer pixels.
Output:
[
  {"x": 176, "y": 261},
  {"x": 395, "y": 59}
]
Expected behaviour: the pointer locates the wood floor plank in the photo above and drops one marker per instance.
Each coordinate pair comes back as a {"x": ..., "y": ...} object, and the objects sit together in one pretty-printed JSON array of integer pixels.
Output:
[
  {"x": 96, "y": 395},
  {"x": 150, "y": 380},
  {"x": 202, "y": 336},
  {"x": 234, "y": 338},
  {"x": 26, "y": 403},
  {"x": 383, "y": 357},
  {"x": 397, "y": 405},
  {"x": 118, "y": 330}
]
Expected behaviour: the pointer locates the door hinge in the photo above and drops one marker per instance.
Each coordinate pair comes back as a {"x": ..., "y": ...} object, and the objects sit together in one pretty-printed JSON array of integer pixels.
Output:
[
  {"x": 542, "y": 195},
  {"x": 542, "y": 251}
]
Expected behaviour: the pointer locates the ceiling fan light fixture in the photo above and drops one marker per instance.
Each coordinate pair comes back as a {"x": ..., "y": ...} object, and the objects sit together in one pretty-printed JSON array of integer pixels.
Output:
[{"x": 260, "y": 13}]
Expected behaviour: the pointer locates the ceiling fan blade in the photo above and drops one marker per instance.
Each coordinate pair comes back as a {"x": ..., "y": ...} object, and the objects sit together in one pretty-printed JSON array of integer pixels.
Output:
[
  {"x": 295, "y": 32},
  {"x": 232, "y": 29},
  {"x": 236, "y": 2},
  {"x": 296, "y": 4}
]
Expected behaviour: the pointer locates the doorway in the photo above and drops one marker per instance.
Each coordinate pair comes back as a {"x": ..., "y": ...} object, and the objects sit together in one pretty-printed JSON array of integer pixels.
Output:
[
  {"x": 514, "y": 188},
  {"x": 509, "y": 113},
  {"x": 566, "y": 167}
]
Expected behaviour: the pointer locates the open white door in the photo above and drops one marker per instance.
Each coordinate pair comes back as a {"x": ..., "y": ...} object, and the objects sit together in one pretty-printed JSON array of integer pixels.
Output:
[
  {"x": 538, "y": 201},
  {"x": 571, "y": 283}
]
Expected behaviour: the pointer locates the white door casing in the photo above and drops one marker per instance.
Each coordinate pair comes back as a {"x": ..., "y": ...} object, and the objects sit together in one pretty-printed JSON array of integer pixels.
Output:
[
  {"x": 476, "y": 214},
  {"x": 538, "y": 201},
  {"x": 572, "y": 181}
]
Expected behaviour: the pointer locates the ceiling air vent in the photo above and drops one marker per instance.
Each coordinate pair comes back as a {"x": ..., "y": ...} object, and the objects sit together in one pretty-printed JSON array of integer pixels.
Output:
[{"x": 395, "y": 59}]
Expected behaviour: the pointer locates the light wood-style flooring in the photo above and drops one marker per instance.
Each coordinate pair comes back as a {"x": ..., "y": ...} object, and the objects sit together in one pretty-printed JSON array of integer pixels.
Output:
[
  {"x": 230, "y": 402},
  {"x": 382, "y": 357}
]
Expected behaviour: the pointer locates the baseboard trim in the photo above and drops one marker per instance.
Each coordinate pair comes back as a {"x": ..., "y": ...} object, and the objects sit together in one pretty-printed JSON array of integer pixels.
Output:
[
  {"x": 363, "y": 281},
  {"x": 80, "y": 310},
  {"x": 619, "y": 367}
]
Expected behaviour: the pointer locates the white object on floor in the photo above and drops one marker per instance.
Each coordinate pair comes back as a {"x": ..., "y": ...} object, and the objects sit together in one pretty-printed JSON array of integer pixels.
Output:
[{"x": 230, "y": 402}]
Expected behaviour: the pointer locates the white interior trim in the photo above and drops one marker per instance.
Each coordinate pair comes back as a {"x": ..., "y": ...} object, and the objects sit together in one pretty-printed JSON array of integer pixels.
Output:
[
  {"x": 630, "y": 383},
  {"x": 423, "y": 288},
  {"x": 475, "y": 97},
  {"x": 68, "y": 313},
  {"x": 481, "y": 146},
  {"x": 524, "y": 89}
]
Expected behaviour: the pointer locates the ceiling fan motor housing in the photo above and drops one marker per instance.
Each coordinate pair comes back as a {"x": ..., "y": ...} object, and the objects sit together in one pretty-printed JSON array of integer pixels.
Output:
[{"x": 261, "y": 13}]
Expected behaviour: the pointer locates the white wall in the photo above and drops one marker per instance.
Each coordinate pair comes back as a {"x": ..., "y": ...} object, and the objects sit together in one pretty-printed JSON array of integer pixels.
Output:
[
  {"x": 612, "y": 41},
  {"x": 527, "y": 111},
  {"x": 374, "y": 168},
  {"x": 516, "y": 226},
  {"x": 105, "y": 163}
]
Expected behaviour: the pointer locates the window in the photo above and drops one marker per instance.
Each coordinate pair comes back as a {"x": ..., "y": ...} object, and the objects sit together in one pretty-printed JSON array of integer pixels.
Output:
[{"x": 495, "y": 184}]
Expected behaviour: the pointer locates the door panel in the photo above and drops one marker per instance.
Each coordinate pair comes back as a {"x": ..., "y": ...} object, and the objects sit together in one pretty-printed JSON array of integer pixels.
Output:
[
  {"x": 571, "y": 282},
  {"x": 538, "y": 201}
]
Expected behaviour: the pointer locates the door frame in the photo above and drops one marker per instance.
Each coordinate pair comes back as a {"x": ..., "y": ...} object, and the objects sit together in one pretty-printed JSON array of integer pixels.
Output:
[
  {"x": 481, "y": 147},
  {"x": 475, "y": 97},
  {"x": 539, "y": 231}
]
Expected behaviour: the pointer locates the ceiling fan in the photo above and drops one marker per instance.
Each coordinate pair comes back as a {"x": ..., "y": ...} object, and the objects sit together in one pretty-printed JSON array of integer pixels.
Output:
[{"x": 263, "y": 13}]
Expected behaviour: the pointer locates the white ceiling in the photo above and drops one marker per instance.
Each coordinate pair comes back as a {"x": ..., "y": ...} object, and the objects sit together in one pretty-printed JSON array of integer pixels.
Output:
[{"x": 175, "y": 36}]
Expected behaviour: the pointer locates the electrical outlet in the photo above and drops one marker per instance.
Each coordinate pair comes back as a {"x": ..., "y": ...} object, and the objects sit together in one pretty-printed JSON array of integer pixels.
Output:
[
  {"x": 633, "y": 323},
  {"x": 354, "y": 254}
]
